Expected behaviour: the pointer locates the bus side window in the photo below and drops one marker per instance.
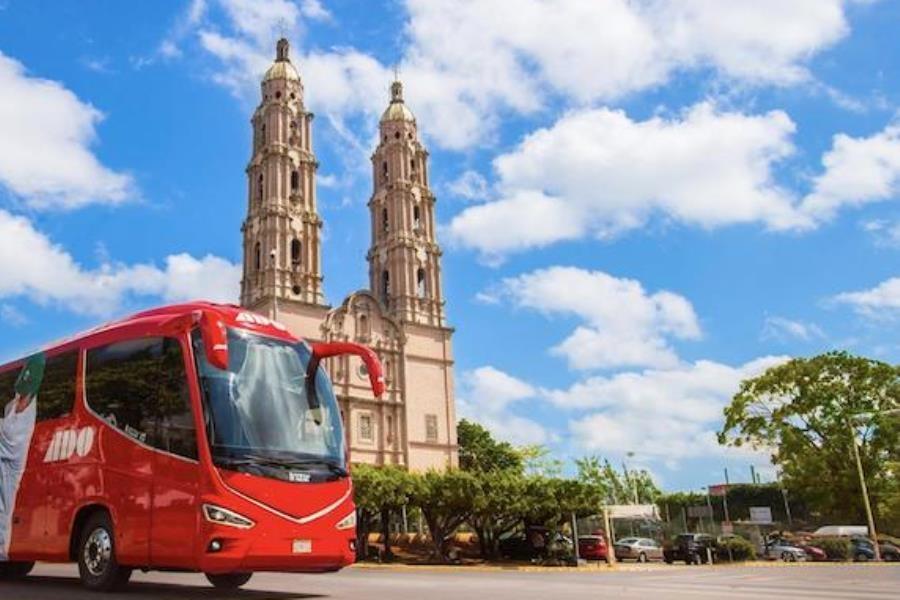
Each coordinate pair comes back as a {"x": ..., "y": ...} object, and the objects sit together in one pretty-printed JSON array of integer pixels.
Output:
[
  {"x": 175, "y": 426},
  {"x": 57, "y": 393},
  {"x": 121, "y": 383},
  {"x": 140, "y": 387}
]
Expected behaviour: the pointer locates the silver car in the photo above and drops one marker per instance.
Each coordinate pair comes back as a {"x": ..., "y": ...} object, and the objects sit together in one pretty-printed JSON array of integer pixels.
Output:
[
  {"x": 779, "y": 549},
  {"x": 639, "y": 549}
]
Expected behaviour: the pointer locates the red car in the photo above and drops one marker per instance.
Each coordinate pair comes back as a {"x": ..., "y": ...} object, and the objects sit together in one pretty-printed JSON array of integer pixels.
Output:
[
  {"x": 813, "y": 552},
  {"x": 592, "y": 547}
]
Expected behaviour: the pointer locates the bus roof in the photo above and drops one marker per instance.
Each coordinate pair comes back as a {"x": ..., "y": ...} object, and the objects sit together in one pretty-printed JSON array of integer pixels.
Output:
[{"x": 232, "y": 315}]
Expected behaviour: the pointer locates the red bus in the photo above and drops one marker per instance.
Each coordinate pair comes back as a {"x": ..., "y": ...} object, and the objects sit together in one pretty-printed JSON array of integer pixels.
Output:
[{"x": 196, "y": 437}]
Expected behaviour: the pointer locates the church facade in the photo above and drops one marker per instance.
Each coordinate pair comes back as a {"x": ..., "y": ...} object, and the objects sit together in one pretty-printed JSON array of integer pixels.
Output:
[{"x": 401, "y": 313}]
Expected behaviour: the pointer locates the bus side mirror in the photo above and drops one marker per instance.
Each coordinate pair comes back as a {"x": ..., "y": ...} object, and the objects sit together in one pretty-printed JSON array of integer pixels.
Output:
[
  {"x": 212, "y": 330},
  {"x": 373, "y": 365},
  {"x": 215, "y": 338}
]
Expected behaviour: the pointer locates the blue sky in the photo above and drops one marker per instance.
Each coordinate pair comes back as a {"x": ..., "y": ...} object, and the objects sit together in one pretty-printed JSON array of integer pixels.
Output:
[{"x": 640, "y": 203}]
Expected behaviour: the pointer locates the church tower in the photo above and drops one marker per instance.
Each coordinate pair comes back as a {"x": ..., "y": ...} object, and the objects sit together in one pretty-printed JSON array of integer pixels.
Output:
[
  {"x": 282, "y": 231},
  {"x": 404, "y": 259}
]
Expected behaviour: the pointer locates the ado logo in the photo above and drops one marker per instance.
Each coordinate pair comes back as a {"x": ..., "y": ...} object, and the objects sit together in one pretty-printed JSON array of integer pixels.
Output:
[{"x": 69, "y": 442}]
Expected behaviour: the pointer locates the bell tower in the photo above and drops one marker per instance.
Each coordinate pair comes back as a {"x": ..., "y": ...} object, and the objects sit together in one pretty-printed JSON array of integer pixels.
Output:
[
  {"x": 282, "y": 231},
  {"x": 404, "y": 259}
]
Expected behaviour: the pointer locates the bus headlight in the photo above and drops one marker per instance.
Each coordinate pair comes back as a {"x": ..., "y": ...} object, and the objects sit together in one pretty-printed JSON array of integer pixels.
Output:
[
  {"x": 223, "y": 516},
  {"x": 347, "y": 522}
]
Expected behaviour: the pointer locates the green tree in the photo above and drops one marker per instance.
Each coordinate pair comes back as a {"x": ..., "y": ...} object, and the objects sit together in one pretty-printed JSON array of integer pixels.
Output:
[
  {"x": 497, "y": 507},
  {"x": 538, "y": 460},
  {"x": 803, "y": 410},
  {"x": 382, "y": 492},
  {"x": 479, "y": 451},
  {"x": 615, "y": 487},
  {"x": 366, "y": 491},
  {"x": 446, "y": 501}
]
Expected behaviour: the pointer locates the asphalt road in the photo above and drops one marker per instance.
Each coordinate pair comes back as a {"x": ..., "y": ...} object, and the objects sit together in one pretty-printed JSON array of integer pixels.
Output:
[{"x": 50, "y": 582}]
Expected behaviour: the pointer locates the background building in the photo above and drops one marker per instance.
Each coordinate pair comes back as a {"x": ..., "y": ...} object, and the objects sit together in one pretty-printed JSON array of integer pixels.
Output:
[{"x": 400, "y": 315}]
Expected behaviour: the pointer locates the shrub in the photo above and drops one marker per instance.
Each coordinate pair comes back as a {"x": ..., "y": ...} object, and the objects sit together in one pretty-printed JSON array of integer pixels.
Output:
[
  {"x": 835, "y": 548},
  {"x": 740, "y": 548}
]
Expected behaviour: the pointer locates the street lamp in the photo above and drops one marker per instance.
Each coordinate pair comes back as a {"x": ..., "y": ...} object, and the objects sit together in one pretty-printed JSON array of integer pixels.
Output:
[{"x": 862, "y": 477}]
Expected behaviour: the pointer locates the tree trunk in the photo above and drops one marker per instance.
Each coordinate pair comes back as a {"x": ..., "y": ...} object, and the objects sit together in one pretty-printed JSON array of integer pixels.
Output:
[
  {"x": 483, "y": 545},
  {"x": 362, "y": 535},
  {"x": 386, "y": 534},
  {"x": 437, "y": 537}
]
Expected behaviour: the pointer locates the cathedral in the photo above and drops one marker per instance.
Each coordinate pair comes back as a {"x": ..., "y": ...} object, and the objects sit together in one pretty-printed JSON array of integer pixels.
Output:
[{"x": 401, "y": 313}]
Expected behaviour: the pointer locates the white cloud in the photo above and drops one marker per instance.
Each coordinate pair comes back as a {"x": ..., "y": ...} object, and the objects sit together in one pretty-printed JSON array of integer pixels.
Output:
[
  {"x": 784, "y": 330},
  {"x": 33, "y": 267},
  {"x": 881, "y": 301},
  {"x": 466, "y": 62},
  {"x": 471, "y": 185},
  {"x": 313, "y": 9},
  {"x": 598, "y": 172},
  {"x": 884, "y": 231},
  {"x": 45, "y": 154},
  {"x": 623, "y": 325},
  {"x": 486, "y": 395},
  {"x": 668, "y": 415},
  {"x": 11, "y": 315},
  {"x": 857, "y": 171}
]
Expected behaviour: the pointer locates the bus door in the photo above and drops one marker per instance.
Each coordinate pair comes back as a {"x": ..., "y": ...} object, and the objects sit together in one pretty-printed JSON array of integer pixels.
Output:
[
  {"x": 176, "y": 472},
  {"x": 121, "y": 381}
]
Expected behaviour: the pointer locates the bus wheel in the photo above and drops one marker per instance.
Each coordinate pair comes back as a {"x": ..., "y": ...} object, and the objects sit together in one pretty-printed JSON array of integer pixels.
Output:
[
  {"x": 228, "y": 581},
  {"x": 97, "y": 564},
  {"x": 15, "y": 570}
]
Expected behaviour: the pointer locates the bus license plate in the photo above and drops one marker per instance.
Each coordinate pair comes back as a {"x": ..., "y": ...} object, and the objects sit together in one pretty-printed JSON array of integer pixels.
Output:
[{"x": 302, "y": 546}]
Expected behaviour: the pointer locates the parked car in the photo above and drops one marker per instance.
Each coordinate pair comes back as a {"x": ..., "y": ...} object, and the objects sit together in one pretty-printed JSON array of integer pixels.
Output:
[
  {"x": 639, "y": 549},
  {"x": 814, "y": 553},
  {"x": 593, "y": 547},
  {"x": 781, "y": 549},
  {"x": 841, "y": 531},
  {"x": 534, "y": 543},
  {"x": 692, "y": 548},
  {"x": 889, "y": 551},
  {"x": 862, "y": 549}
]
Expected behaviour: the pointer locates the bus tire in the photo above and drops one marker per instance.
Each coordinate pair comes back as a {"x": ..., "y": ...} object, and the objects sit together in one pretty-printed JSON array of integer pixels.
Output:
[
  {"x": 228, "y": 581},
  {"x": 97, "y": 564},
  {"x": 15, "y": 570}
]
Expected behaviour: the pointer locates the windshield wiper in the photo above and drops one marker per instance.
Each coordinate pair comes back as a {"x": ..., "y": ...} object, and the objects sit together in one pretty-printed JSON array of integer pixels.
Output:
[
  {"x": 286, "y": 463},
  {"x": 332, "y": 466}
]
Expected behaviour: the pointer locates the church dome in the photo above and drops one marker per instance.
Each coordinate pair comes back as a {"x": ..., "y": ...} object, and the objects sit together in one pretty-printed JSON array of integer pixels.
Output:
[
  {"x": 282, "y": 67},
  {"x": 397, "y": 110}
]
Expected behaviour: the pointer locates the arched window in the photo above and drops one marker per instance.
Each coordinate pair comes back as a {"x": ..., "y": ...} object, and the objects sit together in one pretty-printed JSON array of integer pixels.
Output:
[
  {"x": 385, "y": 224},
  {"x": 295, "y": 180},
  {"x": 386, "y": 287},
  {"x": 412, "y": 164},
  {"x": 257, "y": 257},
  {"x": 384, "y": 170},
  {"x": 260, "y": 194},
  {"x": 262, "y": 133},
  {"x": 417, "y": 217},
  {"x": 363, "y": 328},
  {"x": 296, "y": 252},
  {"x": 420, "y": 283}
]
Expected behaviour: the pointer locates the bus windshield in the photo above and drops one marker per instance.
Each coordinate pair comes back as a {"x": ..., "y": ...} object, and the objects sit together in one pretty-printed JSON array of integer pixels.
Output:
[{"x": 258, "y": 412}]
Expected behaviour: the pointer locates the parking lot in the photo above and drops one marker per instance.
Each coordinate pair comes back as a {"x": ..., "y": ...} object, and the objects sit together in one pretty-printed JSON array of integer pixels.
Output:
[{"x": 652, "y": 581}]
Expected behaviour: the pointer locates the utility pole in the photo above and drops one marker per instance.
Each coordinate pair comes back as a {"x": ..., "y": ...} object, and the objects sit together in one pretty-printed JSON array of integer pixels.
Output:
[{"x": 865, "y": 491}]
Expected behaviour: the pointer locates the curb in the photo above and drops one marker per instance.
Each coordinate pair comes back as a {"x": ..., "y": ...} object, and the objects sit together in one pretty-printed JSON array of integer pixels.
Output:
[{"x": 603, "y": 568}]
